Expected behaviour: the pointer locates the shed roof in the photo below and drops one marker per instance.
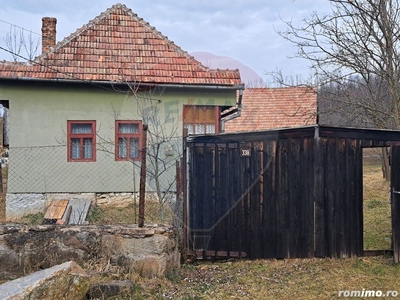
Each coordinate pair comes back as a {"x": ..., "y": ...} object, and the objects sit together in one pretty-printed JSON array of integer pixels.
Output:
[
  {"x": 268, "y": 108},
  {"x": 373, "y": 137},
  {"x": 119, "y": 46}
]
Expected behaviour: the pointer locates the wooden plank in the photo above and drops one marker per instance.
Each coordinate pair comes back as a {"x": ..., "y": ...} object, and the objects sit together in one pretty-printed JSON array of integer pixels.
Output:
[
  {"x": 208, "y": 209},
  {"x": 269, "y": 193},
  {"x": 319, "y": 187},
  {"x": 357, "y": 239},
  {"x": 196, "y": 193},
  {"x": 255, "y": 203},
  {"x": 56, "y": 209},
  {"x": 294, "y": 197},
  {"x": 343, "y": 204},
  {"x": 354, "y": 207},
  {"x": 307, "y": 207},
  {"x": 395, "y": 202},
  {"x": 245, "y": 203},
  {"x": 330, "y": 198},
  {"x": 282, "y": 223},
  {"x": 238, "y": 231},
  {"x": 221, "y": 205}
]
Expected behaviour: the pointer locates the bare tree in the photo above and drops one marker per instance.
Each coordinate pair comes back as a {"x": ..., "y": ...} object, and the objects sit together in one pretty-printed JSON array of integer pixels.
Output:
[
  {"x": 358, "y": 43},
  {"x": 163, "y": 147},
  {"x": 355, "y": 49},
  {"x": 164, "y": 142},
  {"x": 21, "y": 44}
]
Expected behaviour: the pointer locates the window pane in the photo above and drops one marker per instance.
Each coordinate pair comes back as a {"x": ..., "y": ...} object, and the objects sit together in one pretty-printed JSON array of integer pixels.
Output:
[
  {"x": 210, "y": 128},
  {"x": 87, "y": 148},
  {"x": 81, "y": 128},
  {"x": 199, "y": 129},
  {"x": 75, "y": 148},
  {"x": 134, "y": 148},
  {"x": 128, "y": 128},
  {"x": 122, "y": 147},
  {"x": 189, "y": 128}
]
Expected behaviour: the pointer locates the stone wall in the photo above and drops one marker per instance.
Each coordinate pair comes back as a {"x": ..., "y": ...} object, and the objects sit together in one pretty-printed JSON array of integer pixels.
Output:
[{"x": 150, "y": 251}]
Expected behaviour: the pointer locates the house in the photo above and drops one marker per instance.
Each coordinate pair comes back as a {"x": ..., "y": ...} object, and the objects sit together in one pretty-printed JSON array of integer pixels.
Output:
[
  {"x": 269, "y": 108},
  {"x": 77, "y": 111}
]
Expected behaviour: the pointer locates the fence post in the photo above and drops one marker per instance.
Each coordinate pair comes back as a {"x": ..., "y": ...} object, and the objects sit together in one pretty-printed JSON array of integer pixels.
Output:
[
  {"x": 142, "y": 189},
  {"x": 184, "y": 191}
]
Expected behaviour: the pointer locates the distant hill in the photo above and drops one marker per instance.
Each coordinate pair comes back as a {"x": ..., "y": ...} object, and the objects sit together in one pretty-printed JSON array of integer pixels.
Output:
[{"x": 249, "y": 77}]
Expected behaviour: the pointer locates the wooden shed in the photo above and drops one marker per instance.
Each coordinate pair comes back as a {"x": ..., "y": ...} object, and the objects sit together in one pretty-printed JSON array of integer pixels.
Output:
[{"x": 287, "y": 193}]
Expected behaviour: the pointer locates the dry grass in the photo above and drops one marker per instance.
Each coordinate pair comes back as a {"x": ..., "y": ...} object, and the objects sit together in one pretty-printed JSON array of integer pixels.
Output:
[
  {"x": 130, "y": 214},
  {"x": 270, "y": 279},
  {"x": 377, "y": 210}
]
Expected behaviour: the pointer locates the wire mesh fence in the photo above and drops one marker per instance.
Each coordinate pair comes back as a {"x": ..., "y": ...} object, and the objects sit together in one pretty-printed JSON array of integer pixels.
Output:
[{"x": 115, "y": 183}]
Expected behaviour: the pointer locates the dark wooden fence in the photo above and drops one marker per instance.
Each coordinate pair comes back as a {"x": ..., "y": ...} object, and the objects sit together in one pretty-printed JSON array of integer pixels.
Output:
[{"x": 278, "y": 194}]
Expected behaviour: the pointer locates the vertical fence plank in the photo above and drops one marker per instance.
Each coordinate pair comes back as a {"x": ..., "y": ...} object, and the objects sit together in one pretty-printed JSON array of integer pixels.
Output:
[
  {"x": 356, "y": 193},
  {"x": 330, "y": 199},
  {"x": 342, "y": 205},
  {"x": 307, "y": 198},
  {"x": 235, "y": 213},
  {"x": 245, "y": 181},
  {"x": 395, "y": 202},
  {"x": 270, "y": 202},
  {"x": 283, "y": 222},
  {"x": 319, "y": 159}
]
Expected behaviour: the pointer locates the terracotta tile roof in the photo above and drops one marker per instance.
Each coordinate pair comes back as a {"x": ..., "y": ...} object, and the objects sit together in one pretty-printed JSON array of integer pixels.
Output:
[
  {"x": 268, "y": 108},
  {"x": 120, "y": 46}
]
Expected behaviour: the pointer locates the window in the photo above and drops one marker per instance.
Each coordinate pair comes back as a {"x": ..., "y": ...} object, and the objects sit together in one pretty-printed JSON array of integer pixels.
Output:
[
  {"x": 201, "y": 119},
  {"x": 127, "y": 140},
  {"x": 81, "y": 140}
]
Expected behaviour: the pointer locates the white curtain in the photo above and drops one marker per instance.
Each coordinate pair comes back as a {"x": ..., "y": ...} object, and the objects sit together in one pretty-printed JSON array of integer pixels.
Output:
[
  {"x": 76, "y": 142},
  {"x": 128, "y": 128}
]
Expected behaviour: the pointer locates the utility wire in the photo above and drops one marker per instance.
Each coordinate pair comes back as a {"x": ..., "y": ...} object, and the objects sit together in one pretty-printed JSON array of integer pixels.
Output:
[{"x": 20, "y": 27}]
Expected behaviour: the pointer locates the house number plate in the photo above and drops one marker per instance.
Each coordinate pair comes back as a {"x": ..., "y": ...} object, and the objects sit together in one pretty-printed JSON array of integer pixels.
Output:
[{"x": 245, "y": 152}]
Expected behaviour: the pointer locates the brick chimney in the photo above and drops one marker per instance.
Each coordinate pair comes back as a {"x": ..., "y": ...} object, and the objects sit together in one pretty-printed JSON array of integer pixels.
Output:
[{"x": 48, "y": 33}]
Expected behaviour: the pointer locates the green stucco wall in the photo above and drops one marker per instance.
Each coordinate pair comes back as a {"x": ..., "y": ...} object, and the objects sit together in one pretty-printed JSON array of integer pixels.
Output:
[{"x": 38, "y": 132}]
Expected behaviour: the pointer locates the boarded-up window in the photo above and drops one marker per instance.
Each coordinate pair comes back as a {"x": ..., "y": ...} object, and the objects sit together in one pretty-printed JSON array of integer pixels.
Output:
[{"x": 201, "y": 119}]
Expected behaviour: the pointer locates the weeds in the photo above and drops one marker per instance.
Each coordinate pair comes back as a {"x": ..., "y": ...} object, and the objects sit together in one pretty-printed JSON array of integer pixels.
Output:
[{"x": 33, "y": 219}]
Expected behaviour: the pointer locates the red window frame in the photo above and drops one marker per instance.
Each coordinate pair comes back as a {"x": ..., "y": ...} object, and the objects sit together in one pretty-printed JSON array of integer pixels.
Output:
[
  {"x": 127, "y": 136},
  {"x": 201, "y": 115},
  {"x": 81, "y": 137}
]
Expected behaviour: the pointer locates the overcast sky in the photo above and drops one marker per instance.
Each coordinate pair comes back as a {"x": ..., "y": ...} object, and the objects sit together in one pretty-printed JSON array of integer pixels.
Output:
[{"x": 242, "y": 29}]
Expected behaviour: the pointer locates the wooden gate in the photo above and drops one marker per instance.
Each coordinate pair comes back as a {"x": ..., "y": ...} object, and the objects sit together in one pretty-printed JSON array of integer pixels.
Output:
[{"x": 252, "y": 199}]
